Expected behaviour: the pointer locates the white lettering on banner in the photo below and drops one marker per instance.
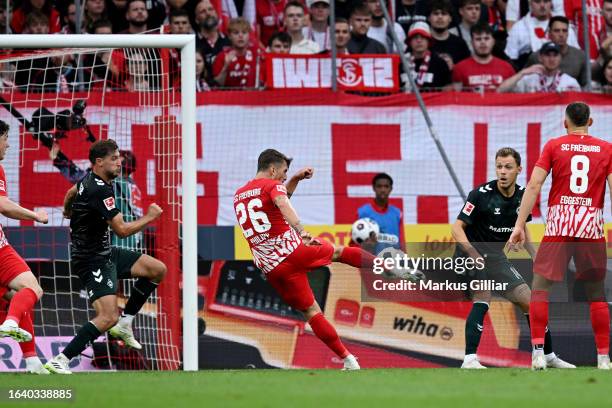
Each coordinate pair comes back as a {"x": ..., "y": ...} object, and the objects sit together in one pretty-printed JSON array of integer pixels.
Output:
[{"x": 373, "y": 73}]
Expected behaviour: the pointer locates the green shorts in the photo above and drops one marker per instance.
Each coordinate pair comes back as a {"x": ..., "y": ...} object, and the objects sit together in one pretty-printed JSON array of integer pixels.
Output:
[
  {"x": 499, "y": 270},
  {"x": 100, "y": 274}
]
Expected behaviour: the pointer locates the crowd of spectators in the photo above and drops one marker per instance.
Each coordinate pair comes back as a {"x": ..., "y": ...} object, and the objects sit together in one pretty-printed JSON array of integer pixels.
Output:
[{"x": 482, "y": 45}]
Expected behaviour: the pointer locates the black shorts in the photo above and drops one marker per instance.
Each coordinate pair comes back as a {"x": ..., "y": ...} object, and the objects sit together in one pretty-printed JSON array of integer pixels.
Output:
[
  {"x": 498, "y": 269},
  {"x": 99, "y": 275}
]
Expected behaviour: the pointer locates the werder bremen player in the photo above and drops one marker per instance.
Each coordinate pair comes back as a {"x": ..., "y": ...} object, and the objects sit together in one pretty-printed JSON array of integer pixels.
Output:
[
  {"x": 481, "y": 230},
  {"x": 91, "y": 207}
]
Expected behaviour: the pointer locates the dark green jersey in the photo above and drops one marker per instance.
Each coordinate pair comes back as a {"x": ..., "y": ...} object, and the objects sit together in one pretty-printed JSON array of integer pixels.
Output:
[
  {"x": 128, "y": 198},
  {"x": 93, "y": 206},
  {"x": 490, "y": 217}
]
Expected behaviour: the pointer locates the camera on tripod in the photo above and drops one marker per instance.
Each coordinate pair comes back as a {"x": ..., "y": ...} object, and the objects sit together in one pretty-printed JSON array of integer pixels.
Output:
[{"x": 45, "y": 121}]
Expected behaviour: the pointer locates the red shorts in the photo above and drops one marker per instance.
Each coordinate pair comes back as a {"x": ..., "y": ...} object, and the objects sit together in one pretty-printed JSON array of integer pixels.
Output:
[
  {"x": 290, "y": 277},
  {"x": 11, "y": 265},
  {"x": 555, "y": 253}
]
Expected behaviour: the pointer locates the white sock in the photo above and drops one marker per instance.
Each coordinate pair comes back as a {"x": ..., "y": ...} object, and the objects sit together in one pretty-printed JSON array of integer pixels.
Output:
[
  {"x": 470, "y": 357},
  {"x": 11, "y": 322},
  {"x": 349, "y": 357},
  {"x": 33, "y": 361},
  {"x": 126, "y": 320}
]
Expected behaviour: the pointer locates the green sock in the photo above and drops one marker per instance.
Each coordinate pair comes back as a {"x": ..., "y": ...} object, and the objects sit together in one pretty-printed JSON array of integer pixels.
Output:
[
  {"x": 86, "y": 334},
  {"x": 474, "y": 326}
]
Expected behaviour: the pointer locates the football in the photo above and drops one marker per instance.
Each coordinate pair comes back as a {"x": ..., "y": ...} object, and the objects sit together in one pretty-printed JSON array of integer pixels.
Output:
[{"x": 363, "y": 229}]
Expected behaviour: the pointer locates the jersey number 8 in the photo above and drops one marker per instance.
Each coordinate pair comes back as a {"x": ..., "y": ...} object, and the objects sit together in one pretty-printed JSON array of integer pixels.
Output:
[
  {"x": 579, "y": 174},
  {"x": 259, "y": 219}
]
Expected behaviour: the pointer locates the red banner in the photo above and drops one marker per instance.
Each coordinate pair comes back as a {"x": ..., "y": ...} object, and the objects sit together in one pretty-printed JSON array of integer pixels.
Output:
[{"x": 371, "y": 73}]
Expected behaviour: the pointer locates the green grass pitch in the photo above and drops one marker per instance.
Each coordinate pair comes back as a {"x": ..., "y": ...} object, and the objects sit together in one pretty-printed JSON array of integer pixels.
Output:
[{"x": 378, "y": 388}]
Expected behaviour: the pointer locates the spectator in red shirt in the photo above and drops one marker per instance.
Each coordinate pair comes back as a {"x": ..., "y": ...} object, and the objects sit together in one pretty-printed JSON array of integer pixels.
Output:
[
  {"x": 236, "y": 66},
  {"x": 43, "y": 6},
  {"x": 482, "y": 71},
  {"x": 269, "y": 18}
]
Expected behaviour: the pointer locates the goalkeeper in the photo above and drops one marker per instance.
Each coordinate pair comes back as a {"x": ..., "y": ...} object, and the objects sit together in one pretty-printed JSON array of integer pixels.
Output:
[{"x": 90, "y": 205}]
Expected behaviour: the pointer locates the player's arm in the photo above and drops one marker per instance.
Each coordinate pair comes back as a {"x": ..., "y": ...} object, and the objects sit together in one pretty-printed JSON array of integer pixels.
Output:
[
  {"x": 285, "y": 207},
  {"x": 458, "y": 233},
  {"x": 529, "y": 244},
  {"x": 610, "y": 186},
  {"x": 11, "y": 209},
  {"x": 68, "y": 200},
  {"x": 124, "y": 229},
  {"x": 534, "y": 187},
  {"x": 305, "y": 173}
]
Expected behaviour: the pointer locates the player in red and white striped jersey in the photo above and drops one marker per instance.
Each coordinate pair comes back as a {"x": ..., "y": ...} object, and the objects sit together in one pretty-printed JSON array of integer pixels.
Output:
[
  {"x": 15, "y": 274},
  {"x": 580, "y": 166},
  {"x": 283, "y": 250}
]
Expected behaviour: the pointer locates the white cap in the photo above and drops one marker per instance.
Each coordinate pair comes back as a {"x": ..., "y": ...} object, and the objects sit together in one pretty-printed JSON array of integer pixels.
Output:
[
  {"x": 311, "y": 2},
  {"x": 420, "y": 28}
]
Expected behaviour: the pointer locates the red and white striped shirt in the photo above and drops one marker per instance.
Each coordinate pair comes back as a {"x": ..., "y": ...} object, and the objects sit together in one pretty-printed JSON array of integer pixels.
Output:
[{"x": 580, "y": 166}]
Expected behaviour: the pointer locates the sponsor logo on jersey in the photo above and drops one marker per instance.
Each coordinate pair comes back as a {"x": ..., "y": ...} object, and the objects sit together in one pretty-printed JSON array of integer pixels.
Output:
[
  {"x": 109, "y": 203},
  {"x": 2, "y": 186},
  {"x": 501, "y": 229},
  {"x": 468, "y": 208}
]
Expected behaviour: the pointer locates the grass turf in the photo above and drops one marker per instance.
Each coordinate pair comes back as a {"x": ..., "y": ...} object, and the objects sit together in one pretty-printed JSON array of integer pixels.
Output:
[{"x": 453, "y": 388}]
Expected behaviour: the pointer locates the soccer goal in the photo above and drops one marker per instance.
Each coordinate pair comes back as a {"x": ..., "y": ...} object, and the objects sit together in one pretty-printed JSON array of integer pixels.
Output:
[{"x": 59, "y": 94}]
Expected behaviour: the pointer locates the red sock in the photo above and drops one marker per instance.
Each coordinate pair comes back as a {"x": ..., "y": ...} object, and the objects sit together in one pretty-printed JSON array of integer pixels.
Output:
[
  {"x": 357, "y": 257},
  {"x": 328, "y": 335},
  {"x": 600, "y": 320},
  {"x": 22, "y": 302},
  {"x": 28, "y": 348},
  {"x": 538, "y": 316}
]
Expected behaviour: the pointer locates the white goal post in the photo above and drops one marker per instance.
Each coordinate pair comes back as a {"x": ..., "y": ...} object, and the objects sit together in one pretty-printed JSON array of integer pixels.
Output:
[{"x": 186, "y": 43}]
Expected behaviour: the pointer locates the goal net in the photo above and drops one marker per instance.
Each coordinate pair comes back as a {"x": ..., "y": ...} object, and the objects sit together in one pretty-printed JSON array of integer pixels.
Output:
[{"x": 57, "y": 102}]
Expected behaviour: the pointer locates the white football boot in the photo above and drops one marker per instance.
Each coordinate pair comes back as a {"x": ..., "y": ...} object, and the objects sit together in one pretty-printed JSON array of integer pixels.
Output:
[
  {"x": 58, "y": 365},
  {"x": 538, "y": 361},
  {"x": 350, "y": 363},
  {"x": 603, "y": 362},
  {"x": 126, "y": 334},
  {"x": 471, "y": 362},
  {"x": 11, "y": 329},
  {"x": 553, "y": 361}
]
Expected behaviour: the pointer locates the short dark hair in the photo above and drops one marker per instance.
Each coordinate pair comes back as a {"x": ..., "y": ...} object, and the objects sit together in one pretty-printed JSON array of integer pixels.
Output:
[
  {"x": 178, "y": 13},
  {"x": 280, "y": 36},
  {"x": 345, "y": 21},
  {"x": 101, "y": 23},
  {"x": 4, "y": 127},
  {"x": 129, "y": 3},
  {"x": 101, "y": 149},
  {"x": 36, "y": 16},
  {"x": 578, "y": 112},
  {"x": 362, "y": 9},
  {"x": 508, "y": 151},
  {"x": 295, "y": 3},
  {"x": 271, "y": 157},
  {"x": 468, "y": 2},
  {"x": 481, "y": 28},
  {"x": 558, "y": 19},
  {"x": 441, "y": 5},
  {"x": 382, "y": 176}
]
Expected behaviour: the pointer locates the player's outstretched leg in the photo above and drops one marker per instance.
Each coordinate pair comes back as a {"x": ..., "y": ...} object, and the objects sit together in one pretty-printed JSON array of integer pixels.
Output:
[
  {"x": 150, "y": 272},
  {"x": 326, "y": 332},
  {"x": 600, "y": 321},
  {"x": 106, "y": 317},
  {"x": 28, "y": 291},
  {"x": 474, "y": 325}
]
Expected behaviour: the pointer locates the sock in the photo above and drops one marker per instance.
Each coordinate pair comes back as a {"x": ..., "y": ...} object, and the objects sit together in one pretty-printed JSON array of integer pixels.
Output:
[
  {"x": 141, "y": 291},
  {"x": 28, "y": 348},
  {"x": 357, "y": 257},
  {"x": 474, "y": 326},
  {"x": 548, "y": 349},
  {"x": 126, "y": 320},
  {"x": 23, "y": 301},
  {"x": 86, "y": 334},
  {"x": 327, "y": 334},
  {"x": 600, "y": 321},
  {"x": 33, "y": 360},
  {"x": 538, "y": 316}
]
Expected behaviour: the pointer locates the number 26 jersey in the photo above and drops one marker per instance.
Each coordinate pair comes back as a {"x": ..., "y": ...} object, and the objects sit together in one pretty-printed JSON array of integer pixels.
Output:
[
  {"x": 270, "y": 237},
  {"x": 580, "y": 165}
]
